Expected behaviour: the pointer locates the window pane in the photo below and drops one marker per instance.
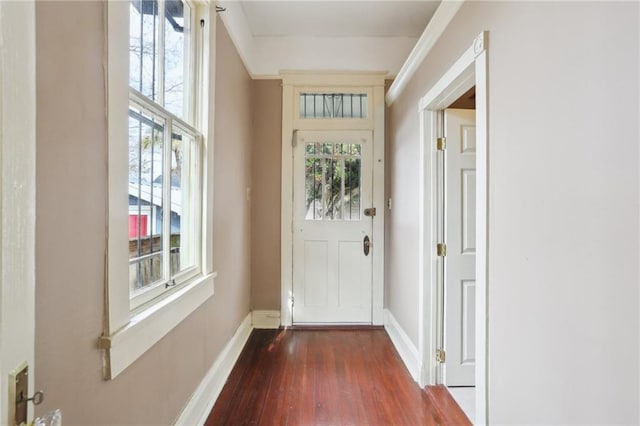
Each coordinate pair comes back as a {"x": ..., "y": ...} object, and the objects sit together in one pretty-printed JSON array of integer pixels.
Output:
[
  {"x": 333, "y": 105},
  {"x": 352, "y": 189},
  {"x": 146, "y": 134},
  {"x": 313, "y": 183},
  {"x": 184, "y": 206},
  {"x": 332, "y": 181},
  {"x": 335, "y": 173},
  {"x": 143, "y": 41},
  {"x": 160, "y": 74},
  {"x": 175, "y": 45}
]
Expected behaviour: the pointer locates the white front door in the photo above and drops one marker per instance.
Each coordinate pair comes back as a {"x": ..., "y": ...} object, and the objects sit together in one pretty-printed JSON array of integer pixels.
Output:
[
  {"x": 17, "y": 198},
  {"x": 332, "y": 188},
  {"x": 460, "y": 237}
]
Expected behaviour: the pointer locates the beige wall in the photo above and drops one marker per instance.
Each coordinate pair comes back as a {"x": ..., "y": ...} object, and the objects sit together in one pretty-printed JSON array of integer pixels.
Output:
[
  {"x": 563, "y": 186},
  {"x": 265, "y": 194},
  {"x": 70, "y": 233}
]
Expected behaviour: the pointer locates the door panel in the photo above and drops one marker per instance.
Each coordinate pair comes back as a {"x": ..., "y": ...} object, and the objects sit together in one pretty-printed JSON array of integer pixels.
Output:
[
  {"x": 350, "y": 279},
  {"x": 468, "y": 217},
  {"x": 460, "y": 237},
  {"x": 468, "y": 322},
  {"x": 316, "y": 259},
  {"x": 332, "y": 186}
]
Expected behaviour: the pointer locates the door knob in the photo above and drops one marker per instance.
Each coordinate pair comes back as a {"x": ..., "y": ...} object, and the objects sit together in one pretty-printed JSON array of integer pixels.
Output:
[{"x": 366, "y": 245}]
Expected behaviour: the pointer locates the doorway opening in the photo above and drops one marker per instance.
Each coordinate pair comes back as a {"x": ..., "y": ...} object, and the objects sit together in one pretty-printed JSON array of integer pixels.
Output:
[
  {"x": 454, "y": 230},
  {"x": 332, "y": 198},
  {"x": 457, "y": 172}
]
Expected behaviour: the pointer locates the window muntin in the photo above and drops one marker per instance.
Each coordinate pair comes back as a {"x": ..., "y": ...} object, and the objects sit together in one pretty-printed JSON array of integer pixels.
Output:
[
  {"x": 333, "y": 105},
  {"x": 332, "y": 181},
  {"x": 165, "y": 152}
]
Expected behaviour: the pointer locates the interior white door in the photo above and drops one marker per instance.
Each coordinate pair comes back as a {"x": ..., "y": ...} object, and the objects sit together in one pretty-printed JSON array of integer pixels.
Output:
[
  {"x": 460, "y": 237},
  {"x": 332, "y": 188},
  {"x": 17, "y": 198}
]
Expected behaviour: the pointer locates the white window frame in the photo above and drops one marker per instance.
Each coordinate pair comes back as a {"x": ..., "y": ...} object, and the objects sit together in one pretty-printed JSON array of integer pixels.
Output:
[{"x": 128, "y": 333}]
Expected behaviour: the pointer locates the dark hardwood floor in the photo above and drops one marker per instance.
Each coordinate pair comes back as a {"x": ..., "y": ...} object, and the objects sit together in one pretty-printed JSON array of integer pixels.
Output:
[{"x": 327, "y": 377}]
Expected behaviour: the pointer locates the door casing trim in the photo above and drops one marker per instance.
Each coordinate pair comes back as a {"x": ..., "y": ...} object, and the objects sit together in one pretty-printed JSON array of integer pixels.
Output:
[
  {"x": 469, "y": 70},
  {"x": 373, "y": 83}
]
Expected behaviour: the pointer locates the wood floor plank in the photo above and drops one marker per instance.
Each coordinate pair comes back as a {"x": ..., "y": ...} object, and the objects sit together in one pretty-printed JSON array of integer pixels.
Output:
[
  {"x": 447, "y": 405},
  {"x": 275, "y": 410},
  {"x": 346, "y": 376}
]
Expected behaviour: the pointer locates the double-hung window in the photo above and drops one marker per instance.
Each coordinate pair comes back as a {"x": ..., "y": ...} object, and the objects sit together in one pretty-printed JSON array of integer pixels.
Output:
[
  {"x": 160, "y": 171},
  {"x": 164, "y": 191},
  {"x": 164, "y": 150}
]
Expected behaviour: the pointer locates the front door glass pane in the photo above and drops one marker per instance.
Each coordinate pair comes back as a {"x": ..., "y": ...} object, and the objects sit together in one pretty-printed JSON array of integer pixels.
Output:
[{"x": 332, "y": 181}]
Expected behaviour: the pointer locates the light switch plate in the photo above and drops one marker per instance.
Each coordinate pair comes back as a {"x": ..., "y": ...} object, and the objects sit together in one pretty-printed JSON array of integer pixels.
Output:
[{"x": 18, "y": 385}]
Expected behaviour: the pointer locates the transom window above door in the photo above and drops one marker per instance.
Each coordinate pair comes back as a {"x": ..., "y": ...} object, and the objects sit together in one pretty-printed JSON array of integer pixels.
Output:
[{"x": 333, "y": 105}]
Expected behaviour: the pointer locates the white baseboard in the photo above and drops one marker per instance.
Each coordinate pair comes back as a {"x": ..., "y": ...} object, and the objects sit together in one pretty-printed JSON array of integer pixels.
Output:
[
  {"x": 199, "y": 406},
  {"x": 265, "y": 319},
  {"x": 405, "y": 347}
]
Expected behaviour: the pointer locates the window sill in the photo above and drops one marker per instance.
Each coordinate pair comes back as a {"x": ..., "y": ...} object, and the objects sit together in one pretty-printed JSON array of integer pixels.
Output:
[{"x": 147, "y": 327}]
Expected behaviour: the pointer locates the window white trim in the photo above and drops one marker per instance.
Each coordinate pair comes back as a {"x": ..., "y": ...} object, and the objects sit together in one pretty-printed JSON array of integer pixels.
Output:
[
  {"x": 150, "y": 325},
  {"x": 127, "y": 334}
]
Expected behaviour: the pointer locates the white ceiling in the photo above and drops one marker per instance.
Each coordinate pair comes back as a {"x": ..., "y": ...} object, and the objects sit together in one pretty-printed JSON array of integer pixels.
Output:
[
  {"x": 325, "y": 35},
  {"x": 364, "y": 18}
]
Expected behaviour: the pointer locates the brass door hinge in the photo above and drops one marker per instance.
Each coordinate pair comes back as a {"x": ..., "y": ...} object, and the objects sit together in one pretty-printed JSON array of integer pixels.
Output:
[
  {"x": 441, "y": 249},
  {"x": 104, "y": 342},
  {"x": 440, "y": 356},
  {"x": 441, "y": 144}
]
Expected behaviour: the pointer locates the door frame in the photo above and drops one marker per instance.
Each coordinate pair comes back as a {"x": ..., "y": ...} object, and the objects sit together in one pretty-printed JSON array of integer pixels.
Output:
[
  {"x": 469, "y": 70},
  {"x": 17, "y": 198},
  {"x": 373, "y": 84}
]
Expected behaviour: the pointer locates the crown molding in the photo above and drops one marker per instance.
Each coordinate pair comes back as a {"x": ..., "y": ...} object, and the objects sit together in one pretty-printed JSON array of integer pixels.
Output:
[
  {"x": 265, "y": 57},
  {"x": 435, "y": 28}
]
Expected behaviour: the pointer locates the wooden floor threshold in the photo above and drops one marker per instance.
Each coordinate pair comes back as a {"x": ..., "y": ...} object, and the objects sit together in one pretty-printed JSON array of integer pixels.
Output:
[{"x": 333, "y": 327}]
